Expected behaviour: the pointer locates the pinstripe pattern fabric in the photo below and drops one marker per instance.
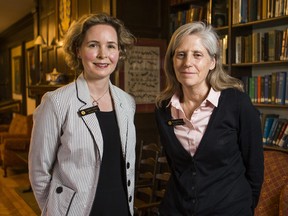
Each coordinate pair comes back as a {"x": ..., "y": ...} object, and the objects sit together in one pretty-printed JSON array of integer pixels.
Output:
[{"x": 66, "y": 149}]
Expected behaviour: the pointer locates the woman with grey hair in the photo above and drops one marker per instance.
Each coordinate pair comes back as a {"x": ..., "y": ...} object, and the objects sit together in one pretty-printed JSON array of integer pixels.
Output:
[
  {"x": 82, "y": 152},
  {"x": 210, "y": 131}
]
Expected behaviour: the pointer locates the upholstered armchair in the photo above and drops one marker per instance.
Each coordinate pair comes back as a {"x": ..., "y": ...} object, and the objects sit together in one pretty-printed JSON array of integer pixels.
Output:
[
  {"x": 15, "y": 139},
  {"x": 274, "y": 194}
]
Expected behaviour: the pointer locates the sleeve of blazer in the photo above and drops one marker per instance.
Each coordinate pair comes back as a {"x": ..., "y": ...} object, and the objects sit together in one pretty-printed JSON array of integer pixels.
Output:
[
  {"x": 43, "y": 148},
  {"x": 250, "y": 138}
]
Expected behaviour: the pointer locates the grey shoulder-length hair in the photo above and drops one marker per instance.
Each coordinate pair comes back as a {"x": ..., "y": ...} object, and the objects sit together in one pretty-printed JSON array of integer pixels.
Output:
[{"x": 217, "y": 78}]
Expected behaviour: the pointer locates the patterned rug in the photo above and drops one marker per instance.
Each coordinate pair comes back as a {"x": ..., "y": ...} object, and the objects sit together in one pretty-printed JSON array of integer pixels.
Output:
[{"x": 29, "y": 198}]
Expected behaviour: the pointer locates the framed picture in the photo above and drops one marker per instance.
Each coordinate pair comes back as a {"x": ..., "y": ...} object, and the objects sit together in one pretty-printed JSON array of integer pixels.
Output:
[
  {"x": 16, "y": 75},
  {"x": 30, "y": 69},
  {"x": 142, "y": 74}
]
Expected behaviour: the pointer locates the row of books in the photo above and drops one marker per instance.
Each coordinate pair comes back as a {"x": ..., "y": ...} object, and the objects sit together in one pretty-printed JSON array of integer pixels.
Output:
[
  {"x": 275, "y": 130},
  {"x": 251, "y": 10},
  {"x": 214, "y": 12},
  {"x": 193, "y": 13},
  {"x": 262, "y": 46},
  {"x": 267, "y": 89}
]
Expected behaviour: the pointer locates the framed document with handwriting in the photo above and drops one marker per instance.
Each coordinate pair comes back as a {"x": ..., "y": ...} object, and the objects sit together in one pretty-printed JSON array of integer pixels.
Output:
[{"x": 143, "y": 72}]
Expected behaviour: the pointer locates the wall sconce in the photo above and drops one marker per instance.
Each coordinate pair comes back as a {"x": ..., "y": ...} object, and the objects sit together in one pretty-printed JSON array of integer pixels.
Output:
[
  {"x": 39, "y": 40},
  {"x": 54, "y": 42}
]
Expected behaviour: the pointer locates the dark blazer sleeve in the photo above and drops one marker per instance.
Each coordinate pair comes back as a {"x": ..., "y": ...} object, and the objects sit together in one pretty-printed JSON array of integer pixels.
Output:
[{"x": 250, "y": 141}]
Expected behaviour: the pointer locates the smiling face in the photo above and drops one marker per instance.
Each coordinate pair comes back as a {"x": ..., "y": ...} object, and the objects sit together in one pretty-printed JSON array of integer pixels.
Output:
[
  {"x": 99, "y": 51},
  {"x": 192, "y": 62}
]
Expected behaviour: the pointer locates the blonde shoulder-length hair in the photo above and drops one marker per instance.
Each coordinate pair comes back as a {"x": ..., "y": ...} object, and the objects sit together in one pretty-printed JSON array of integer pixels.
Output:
[
  {"x": 217, "y": 78},
  {"x": 77, "y": 31}
]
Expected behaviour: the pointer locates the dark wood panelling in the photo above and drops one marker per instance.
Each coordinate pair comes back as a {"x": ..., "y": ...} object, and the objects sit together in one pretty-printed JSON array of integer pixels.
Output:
[
  {"x": 146, "y": 128},
  {"x": 144, "y": 18},
  {"x": 52, "y": 28},
  {"x": 51, "y": 60},
  {"x": 83, "y": 7},
  {"x": 16, "y": 35},
  {"x": 98, "y": 6}
]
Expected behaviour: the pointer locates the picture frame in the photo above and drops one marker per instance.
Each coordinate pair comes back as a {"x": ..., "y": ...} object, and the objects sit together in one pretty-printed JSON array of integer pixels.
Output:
[
  {"x": 30, "y": 65},
  {"x": 142, "y": 73},
  {"x": 16, "y": 75}
]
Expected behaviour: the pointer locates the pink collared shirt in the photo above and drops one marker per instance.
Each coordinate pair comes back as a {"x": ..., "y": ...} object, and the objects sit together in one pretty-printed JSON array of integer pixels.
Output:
[{"x": 191, "y": 133}]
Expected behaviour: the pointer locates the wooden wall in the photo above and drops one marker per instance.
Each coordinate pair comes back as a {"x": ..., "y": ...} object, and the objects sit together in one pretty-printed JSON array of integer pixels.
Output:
[{"x": 13, "y": 37}]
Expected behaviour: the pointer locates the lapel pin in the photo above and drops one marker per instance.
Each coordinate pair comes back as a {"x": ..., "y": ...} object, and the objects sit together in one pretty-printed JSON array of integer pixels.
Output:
[
  {"x": 174, "y": 122},
  {"x": 88, "y": 111}
]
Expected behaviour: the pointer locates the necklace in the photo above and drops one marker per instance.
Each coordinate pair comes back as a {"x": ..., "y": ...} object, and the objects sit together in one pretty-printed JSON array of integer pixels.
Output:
[{"x": 95, "y": 101}]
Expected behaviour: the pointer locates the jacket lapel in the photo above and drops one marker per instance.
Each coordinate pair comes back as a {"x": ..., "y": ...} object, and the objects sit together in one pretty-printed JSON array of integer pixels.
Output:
[
  {"x": 90, "y": 120},
  {"x": 121, "y": 115}
]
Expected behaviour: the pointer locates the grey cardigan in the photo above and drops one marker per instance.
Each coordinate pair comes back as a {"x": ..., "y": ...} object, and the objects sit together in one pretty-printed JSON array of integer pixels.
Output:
[{"x": 66, "y": 149}]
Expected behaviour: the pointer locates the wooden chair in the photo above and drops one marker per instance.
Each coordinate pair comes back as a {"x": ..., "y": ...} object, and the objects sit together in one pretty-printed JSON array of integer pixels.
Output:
[
  {"x": 15, "y": 140},
  {"x": 146, "y": 164},
  {"x": 274, "y": 194},
  {"x": 162, "y": 177},
  {"x": 157, "y": 191},
  {"x": 145, "y": 175}
]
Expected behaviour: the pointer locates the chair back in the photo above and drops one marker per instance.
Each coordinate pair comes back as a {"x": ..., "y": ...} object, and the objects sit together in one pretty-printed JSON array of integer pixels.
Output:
[
  {"x": 274, "y": 187},
  {"x": 147, "y": 164},
  {"x": 162, "y": 177},
  {"x": 21, "y": 124}
]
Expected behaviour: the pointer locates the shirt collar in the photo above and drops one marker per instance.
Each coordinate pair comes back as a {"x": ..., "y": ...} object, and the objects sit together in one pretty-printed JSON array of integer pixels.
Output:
[{"x": 213, "y": 98}]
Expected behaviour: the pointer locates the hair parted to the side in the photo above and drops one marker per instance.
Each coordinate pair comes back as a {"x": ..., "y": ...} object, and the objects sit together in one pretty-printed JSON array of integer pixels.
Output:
[
  {"x": 76, "y": 33},
  {"x": 217, "y": 78}
]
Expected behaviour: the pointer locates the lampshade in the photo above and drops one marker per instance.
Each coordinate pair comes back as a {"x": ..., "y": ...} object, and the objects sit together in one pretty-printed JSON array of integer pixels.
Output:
[
  {"x": 54, "y": 42},
  {"x": 39, "y": 40}
]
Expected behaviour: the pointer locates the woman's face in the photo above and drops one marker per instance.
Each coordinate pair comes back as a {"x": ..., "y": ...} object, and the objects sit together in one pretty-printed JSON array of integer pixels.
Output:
[
  {"x": 99, "y": 51},
  {"x": 192, "y": 62}
]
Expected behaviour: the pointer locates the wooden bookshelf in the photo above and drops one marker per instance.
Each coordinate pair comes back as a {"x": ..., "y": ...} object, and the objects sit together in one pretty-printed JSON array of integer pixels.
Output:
[
  {"x": 273, "y": 147},
  {"x": 264, "y": 21}
]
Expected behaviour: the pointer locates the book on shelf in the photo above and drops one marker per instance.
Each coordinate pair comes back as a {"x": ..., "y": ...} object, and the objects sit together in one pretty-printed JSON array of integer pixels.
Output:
[
  {"x": 283, "y": 55},
  {"x": 285, "y": 144},
  {"x": 286, "y": 89},
  {"x": 280, "y": 123},
  {"x": 224, "y": 48},
  {"x": 190, "y": 13},
  {"x": 245, "y": 81},
  {"x": 252, "y": 10},
  {"x": 273, "y": 45},
  {"x": 252, "y": 89},
  {"x": 282, "y": 132},
  {"x": 240, "y": 11},
  {"x": 273, "y": 87},
  {"x": 281, "y": 91},
  {"x": 261, "y": 46},
  {"x": 284, "y": 138},
  {"x": 272, "y": 131},
  {"x": 267, "y": 122},
  {"x": 269, "y": 89}
]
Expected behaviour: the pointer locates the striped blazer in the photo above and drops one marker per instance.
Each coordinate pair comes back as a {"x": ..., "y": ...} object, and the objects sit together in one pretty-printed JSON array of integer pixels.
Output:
[{"x": 66, "y": 149}]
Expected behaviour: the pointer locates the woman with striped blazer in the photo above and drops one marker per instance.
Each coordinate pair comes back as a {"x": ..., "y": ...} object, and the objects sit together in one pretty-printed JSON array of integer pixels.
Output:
[{"x": 82, "y": 152}]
